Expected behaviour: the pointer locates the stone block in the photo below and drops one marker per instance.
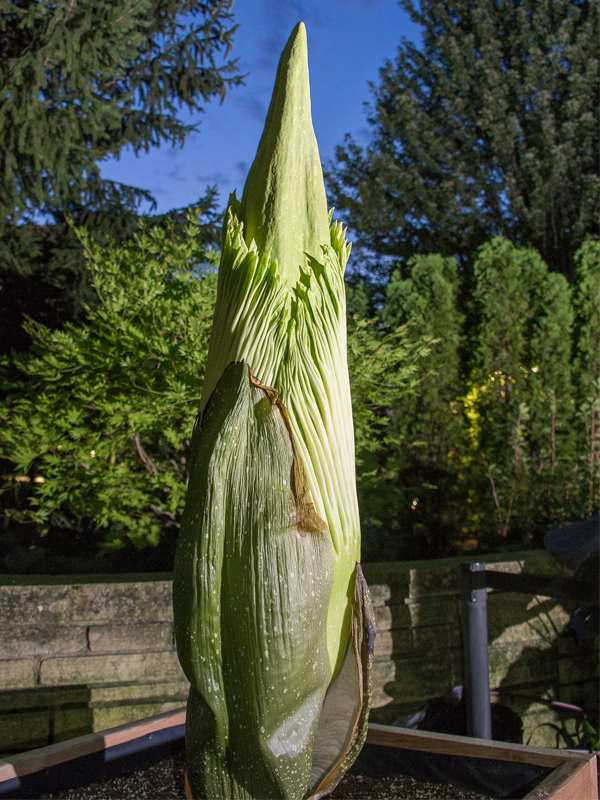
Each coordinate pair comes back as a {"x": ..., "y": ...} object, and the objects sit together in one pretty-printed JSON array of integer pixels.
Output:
[
  {"x": 145, "y": 601},
  {"x": 417, "y": 680},
  {"x": 385, "y": 714},
  {"x": 515, "y": 617},
  {"x": 35, "y": 605},
  {"x": 385, "y": 574},
  {"x": 427, "y": 611},
  {"x": 24, "y": 730},
  {"x": 160, "y": 692},
  {"x": 142, "y": 667},
  {"x": 384, "y": 646},
  {"x": 133, "y": 637},
  {"x": 43, "y": 697},
  {"x": 17, "y": 673},
  {"x": 72, "y": 722},
  {"x": 112, "y": 716},
  {"x": 542, "y": 727},
  {"x": 423, "y": 642},
  {"x": 584, "y": 695},
  {"x": 383, "y": 618},
  {"x": 380, "y": 594},
  {"x": 577, "y": 669},
  {"x": 432, "y": 580},
  {"x": 521, "y": 664},
  {"x": 37, "y": 640},
  {"x": 412, "y": 579},
  {"x": 383, "y": 675}
]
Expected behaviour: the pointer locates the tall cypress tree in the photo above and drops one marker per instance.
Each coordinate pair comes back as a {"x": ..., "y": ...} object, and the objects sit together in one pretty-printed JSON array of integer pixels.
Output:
[
  {"x": 519, "y": 392},
  {"x": 586, "y": 329},
  {"x": 412, "y": 497},
  {"x": 502, "y": 438},
  {"x": 78, "y": 82},
  {"x": 586, "y": 368},
  {"x": 490, "y": 127}
]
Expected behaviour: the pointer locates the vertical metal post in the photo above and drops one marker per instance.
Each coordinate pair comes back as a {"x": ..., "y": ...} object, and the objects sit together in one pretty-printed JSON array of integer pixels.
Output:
[{"x": 475, "y": 637}]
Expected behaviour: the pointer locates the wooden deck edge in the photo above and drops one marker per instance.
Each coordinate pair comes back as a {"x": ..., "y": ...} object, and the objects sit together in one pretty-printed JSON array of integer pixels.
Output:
[
  {"x": 576, "y": 770},
  {"x": 571, "y": 781},
  {"x": 408, "y": 739},
  {"x": 53, "y": 754}
]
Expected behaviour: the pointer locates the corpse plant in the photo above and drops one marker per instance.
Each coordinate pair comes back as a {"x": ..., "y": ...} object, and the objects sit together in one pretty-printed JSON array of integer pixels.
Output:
[{"x": 273, "y": 620}]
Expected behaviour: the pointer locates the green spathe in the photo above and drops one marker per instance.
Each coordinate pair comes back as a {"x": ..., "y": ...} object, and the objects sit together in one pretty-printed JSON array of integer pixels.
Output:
[
  {"x": 252, "y": 577},
  {"x": 253, "y": 716}
]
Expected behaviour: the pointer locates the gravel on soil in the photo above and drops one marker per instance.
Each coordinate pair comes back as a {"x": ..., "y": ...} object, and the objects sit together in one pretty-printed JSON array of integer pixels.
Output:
[{"x": 164, "y": 781}]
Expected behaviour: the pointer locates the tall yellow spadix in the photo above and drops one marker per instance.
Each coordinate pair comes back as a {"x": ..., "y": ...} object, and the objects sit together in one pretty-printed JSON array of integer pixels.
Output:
[
  {"x": 273, "y": 620},
  {"x": 284, "y": 207}
]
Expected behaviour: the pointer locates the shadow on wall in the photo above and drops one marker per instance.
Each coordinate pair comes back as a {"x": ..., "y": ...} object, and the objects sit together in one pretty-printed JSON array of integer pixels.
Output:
[
  {"x": 533, "y": 656},
  {"x": 37, "y": 717},
  {"x": 554, "y": 710}
]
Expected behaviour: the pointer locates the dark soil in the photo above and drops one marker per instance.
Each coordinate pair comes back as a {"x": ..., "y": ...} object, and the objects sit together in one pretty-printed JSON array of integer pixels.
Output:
[{"x": 164, "y": 781}]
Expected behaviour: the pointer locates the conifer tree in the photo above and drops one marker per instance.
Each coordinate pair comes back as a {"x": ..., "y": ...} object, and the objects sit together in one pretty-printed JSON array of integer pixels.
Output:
[
  {"x": 586, "y": 368},
  {"x": 586, "y": 328},
  {"x": 501, "y": 440},
  {"x": 518, "y": 396},
  {"x": 79, "y": 81},
  {"x": 489, "y": 127},
  {"x": 427, "y": 428}
]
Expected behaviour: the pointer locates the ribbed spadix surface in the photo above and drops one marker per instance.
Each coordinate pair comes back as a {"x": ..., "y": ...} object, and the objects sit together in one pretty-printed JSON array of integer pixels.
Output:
[{"x": 290, "y": 330}]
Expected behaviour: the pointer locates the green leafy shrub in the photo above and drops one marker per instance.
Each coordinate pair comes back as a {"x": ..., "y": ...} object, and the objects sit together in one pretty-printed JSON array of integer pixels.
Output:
[
  {"x": 97, "y": 418},
  {"x": 501, "y": 440}
]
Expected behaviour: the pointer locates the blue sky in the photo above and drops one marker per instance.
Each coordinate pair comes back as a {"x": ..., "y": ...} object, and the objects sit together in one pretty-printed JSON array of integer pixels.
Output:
[{"x": 348, "y": 41}]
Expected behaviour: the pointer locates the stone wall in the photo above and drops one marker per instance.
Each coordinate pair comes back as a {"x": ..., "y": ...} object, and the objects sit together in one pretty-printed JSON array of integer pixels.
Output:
[
  {"x": 532, "y": 653},
  {"x": 88, "y": 653},
  {"x": 84, "y": 656}
]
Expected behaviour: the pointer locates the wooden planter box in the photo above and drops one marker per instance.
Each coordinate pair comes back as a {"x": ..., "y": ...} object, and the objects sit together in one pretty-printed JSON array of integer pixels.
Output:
[{"x": 573, "y": 776}]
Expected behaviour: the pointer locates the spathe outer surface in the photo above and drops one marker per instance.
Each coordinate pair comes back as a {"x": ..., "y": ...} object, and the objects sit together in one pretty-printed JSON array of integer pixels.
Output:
[
  {"x": 250, "y": 597},
  {"x": 273, "y": 621}
]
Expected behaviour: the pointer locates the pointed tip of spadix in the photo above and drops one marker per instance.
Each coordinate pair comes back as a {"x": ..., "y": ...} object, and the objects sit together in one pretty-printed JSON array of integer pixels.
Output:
[{"x": 284, "y": 207}]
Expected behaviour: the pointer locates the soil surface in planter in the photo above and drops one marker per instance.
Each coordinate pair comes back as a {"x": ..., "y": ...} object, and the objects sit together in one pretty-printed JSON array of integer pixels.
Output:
[{"x": 164, "y": 781}]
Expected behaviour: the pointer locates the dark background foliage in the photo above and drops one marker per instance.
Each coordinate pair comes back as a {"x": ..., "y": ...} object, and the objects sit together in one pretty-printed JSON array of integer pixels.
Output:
[{"x": 489, "y": 128}]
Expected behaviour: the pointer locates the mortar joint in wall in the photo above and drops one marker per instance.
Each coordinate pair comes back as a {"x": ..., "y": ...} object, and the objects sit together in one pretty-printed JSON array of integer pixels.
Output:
[{"x": 37, "y": 668}]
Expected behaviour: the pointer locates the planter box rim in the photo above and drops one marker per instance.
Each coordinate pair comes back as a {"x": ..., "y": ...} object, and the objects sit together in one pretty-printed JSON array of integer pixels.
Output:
[{"x": 574, "y": 773}]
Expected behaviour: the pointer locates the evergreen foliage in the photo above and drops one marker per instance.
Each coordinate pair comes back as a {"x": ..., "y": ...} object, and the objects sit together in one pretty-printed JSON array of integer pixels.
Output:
[
  {"x": 490, "y": 127},
  {"x": 502, "y": 439},
  {"x": 81, "y": 80},
  {"x": 586, "y": 304},
  {"x": 97, "y": 418},
  {"x": 425, "y": 427},
  {"x": 78, "y": 82},
  {"x": 43, "y": 269},
  {"x": 519, "y": 391}
]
